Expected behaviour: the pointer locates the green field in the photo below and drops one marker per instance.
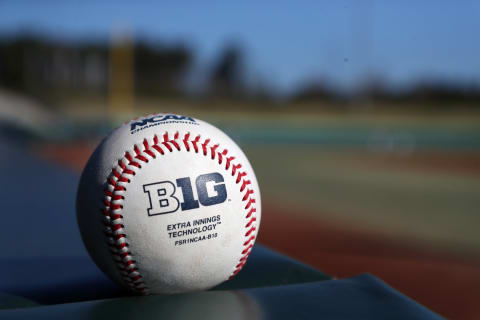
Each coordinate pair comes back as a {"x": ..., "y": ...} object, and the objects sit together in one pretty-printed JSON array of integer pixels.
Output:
[
  {"x": 432, "y": 207},
  {"x": 412, "y": 176}
]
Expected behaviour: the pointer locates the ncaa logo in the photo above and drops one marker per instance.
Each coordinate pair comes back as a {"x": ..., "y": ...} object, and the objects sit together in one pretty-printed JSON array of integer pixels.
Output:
[{"x": 163, "y": 199}]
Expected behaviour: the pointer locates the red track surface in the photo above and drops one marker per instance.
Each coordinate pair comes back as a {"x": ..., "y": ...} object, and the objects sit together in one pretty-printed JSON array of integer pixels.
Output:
[{"x": 447, "y": 284}]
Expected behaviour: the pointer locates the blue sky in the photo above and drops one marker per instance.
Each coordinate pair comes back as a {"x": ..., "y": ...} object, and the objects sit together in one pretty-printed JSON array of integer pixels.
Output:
[{"x": 287, "y": 42}]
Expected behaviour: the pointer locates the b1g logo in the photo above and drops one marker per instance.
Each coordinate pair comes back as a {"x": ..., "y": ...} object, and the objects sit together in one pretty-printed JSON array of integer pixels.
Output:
[{"x": 163, "y": 199}]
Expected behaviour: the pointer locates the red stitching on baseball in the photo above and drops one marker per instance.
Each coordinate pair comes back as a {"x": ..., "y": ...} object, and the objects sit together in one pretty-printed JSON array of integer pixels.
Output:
[
  {"x": 194, "y": 142},
  {"x": 250, "y": 201},
  {"x": 249, "y": 240},
  {"x": 139, "y": 156},
  {"x": 165, "y": 143},
  {"x": 123, "y": 179},
  {"x": 220, "y": 156},
  {"x": 128, "y": 171},
  {"x": 116, "y": 206},
  {"x": 204, "y": 147},
  {"x": 114, "y": 229},
  {"x": 185, "y": 141},
  {"x": 115, "y": 173},
  {"x": 165, "y": 137},
  {"x": 240, "y": 176},
  {"x": 158, "y": 148},
  {"x": 244, "y": 184},
  {"x": 247, "y": 249},
  {"x": 228, "y": 162},
  {"x": 250, "y": 231},
  {"x": 131, "y": 161},
  {"x": 120, "y": 236},
  {"x": 249, "y": 192},
  {"x": 243, "y": 259},
  {"x": 213, "y": 151},
  {"x": 147, "y": 149},
  {"x": 177, "y": 146},
  {"x": 234, "y": 169},
  {"x": 122, "y": 245},
  {"x": 250, "y": 222}
]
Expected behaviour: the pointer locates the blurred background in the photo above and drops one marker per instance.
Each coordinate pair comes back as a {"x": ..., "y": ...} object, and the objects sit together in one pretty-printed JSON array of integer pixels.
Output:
[{"x": 361, "y": 118}]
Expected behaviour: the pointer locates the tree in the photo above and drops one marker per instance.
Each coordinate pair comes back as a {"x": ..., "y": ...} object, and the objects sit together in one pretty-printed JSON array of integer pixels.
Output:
[{"x": 226, "y": 78}]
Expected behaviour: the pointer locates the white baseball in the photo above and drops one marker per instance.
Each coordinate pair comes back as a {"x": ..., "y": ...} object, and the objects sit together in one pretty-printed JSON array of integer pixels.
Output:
[{"x": 168, "y": 204}]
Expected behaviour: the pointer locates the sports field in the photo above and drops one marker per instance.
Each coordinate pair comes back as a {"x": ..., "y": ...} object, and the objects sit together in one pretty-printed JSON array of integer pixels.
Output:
[
  {"x": 396, "y": 195},
  {"x": 410, "y": 175}
]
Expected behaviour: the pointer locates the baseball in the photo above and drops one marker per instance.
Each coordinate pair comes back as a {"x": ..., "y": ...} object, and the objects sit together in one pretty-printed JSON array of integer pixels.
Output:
[{"x": 168, "y": 204}]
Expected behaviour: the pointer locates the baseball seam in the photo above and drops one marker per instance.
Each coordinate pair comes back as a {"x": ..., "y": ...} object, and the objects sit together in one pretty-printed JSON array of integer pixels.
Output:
[{"x": 119, "y": 178}]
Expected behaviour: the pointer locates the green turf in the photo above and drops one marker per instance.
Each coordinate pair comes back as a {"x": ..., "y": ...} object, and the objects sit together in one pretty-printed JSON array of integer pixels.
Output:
[
  {"x": 342, "y": 185},
  {"x": 321, "y": 163}
]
